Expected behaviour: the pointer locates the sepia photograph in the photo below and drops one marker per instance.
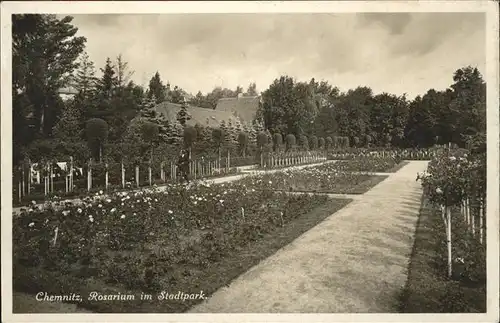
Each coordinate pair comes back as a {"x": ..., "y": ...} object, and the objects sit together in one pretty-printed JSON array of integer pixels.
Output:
[{"x": 324, "y": 162}]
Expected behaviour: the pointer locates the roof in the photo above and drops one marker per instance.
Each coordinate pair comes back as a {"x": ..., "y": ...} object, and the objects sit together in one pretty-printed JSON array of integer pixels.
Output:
[
  {"x": 202, "y": 116},
  {"x": 245, "y": 107},
  {"x": 68, "y": 90}
]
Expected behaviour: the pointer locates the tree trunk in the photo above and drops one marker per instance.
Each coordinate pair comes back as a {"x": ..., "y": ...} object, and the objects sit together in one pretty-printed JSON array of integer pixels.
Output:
[
  {"x": 481, "y": 214},
  {"x": 106, "y": 177},
  {"x": 23, "y": 181},
  {"x": 218, "y": 152},
  {"x": 123, "y": 175},
  {"x": 137, "y": 176},
  {"x": 71, "y": 174},
  {"x": 473, "y": 219},
  {"x": 42, "y": 118},
  {"x": 29, "y": 177},
  {"x": 448, "y": 240}
]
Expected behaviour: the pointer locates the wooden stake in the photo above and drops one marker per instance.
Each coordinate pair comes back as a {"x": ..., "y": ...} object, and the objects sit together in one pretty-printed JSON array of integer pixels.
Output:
[
  {"x": 89, "y": 176},
  {"x": 481, "y": 214},
  {"x": 51, "y": 187},
  {"x": 150, "y": 175},
  {"x": 71, "y": 174},
  {"x": 473, "y": 221},
  {"x": 467, "y": 213},
  {"x": 29, "y": 177},
  {"x": 137, "y": 175},
  {"x": 23, "y": 180},
  {"x": 123, "y": 175},
  {"x": 56, "y": 231},
  {"x": 106, "y": 178}
]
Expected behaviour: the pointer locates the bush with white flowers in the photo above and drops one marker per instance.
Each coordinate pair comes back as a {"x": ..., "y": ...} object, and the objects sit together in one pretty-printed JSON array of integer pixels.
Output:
[{"x": 456, "y": 186}]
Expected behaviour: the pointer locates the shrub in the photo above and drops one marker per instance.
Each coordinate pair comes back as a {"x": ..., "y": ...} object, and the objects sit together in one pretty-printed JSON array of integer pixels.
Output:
[
  {"x": 189, "y": 136},
  {"x": 303, "y": 142},
  {"x": 368, "y": 140},
  {"x": 336, "y": 142},
  {"x": 290, "y": 142},
  {"x": 96, "y": 131},
  {"x": 243, "y": 142},
  {"x": 262, "y": 140},
  {"x": 277, "y": 141},
  {"x": 321, "y": 143},
  {"x": 355, "y": 141},
  {"x": 313, "y": 142},
  {"x": 218, "y": 138},
  {"x": 329, "y": 143}
]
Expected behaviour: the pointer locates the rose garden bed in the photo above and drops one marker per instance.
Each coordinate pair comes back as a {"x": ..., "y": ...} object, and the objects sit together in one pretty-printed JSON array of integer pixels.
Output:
[
  {"x": 371, "y": 164},
  {"x": 325, "y": 178},
  {"x": 184, "y": 239},
  {"x": 39, "y": 197}
]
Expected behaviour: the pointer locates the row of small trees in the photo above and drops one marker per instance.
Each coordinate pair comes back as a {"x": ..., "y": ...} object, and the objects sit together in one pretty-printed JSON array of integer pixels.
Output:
[
  {"x": 148, "y": 135},
  {"x": 267, "y": 142},
  {"x": 454, "y": 183}
]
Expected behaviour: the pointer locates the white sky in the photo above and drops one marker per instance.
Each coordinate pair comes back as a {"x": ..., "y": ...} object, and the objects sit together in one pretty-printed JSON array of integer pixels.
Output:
[{"x": 389, "y": 52}]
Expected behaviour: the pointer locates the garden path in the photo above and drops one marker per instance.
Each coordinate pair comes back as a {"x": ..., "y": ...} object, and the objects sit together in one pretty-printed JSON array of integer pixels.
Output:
[{"x": 355, "y": 261}]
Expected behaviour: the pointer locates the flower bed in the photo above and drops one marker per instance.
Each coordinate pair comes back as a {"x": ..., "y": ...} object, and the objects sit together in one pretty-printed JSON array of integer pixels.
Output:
[
  {"x": 370, "y": 164},
  {"x": 82, "y": 192},
  {"x": 324, "y": 178},
  {"x": 152, "y": 241},
  {"x": 406, "y": 154}
]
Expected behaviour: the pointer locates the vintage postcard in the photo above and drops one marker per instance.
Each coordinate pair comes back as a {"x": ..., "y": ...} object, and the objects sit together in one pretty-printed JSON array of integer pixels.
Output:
[{"x": 250, "y": 161}]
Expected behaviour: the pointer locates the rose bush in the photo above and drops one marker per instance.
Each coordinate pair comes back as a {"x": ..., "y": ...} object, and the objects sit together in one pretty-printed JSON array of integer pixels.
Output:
[
  {"x": 456, "y": 185},
  {"x": 450, "y": 179}
]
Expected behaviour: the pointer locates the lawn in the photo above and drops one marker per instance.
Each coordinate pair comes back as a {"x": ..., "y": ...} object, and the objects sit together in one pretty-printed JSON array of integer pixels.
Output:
[
  {"x": 428, "y": 290},
  {"x": 185, "y": 239}
]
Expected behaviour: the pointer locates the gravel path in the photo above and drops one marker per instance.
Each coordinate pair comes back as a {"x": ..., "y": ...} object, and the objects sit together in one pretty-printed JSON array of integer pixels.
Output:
[{"x": 353, "y": 262}]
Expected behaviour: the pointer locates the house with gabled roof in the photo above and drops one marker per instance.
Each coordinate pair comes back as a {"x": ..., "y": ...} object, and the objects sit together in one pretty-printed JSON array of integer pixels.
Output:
[
  {"x": 241, "y": 110},
  {"x": 202, "y": 116},
  {"x": 243, "y": 107}
]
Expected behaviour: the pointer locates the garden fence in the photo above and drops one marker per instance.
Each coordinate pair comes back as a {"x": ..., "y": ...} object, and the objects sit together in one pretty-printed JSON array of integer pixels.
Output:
[{"x": 32, "y": 181}]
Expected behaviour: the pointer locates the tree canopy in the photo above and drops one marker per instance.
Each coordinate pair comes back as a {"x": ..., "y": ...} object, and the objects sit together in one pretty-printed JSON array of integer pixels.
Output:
[{"x": 48, "y": 56}]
